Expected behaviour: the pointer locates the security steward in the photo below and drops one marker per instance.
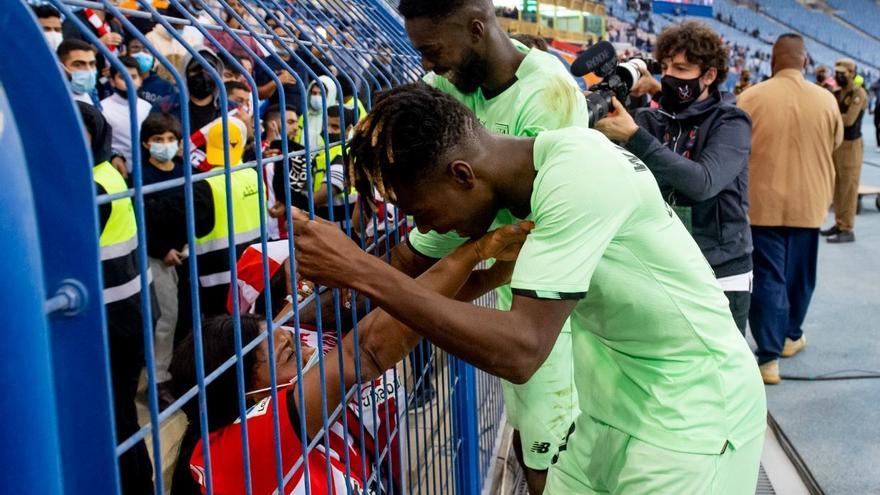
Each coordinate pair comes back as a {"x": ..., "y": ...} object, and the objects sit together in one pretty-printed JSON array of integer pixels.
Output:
[
  {"x": 852, "y": 101},
  {"x": 212, "y": 224},
  {"x": 212, "y": 246},
  {"x": 118, "y": 244}
]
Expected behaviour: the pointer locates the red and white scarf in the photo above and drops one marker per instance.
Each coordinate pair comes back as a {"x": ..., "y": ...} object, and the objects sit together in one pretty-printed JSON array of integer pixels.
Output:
[{"x": 101, "y": 26}]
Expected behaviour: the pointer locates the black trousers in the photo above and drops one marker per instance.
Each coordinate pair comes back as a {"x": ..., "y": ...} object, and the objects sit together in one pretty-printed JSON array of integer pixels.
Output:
[
  {"x": 126, "y": 361},
  {"x": 877, "y": 123},
  {"x": 740, "y": 301}
]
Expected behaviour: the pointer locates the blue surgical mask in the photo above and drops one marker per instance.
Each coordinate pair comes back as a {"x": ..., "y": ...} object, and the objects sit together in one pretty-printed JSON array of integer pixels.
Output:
[
  {"x": 163, "y": 152},
  {"x": 83, "y": 81},
  {"x": 315, "y": 102},
  {"x": 144, "y": 60}
]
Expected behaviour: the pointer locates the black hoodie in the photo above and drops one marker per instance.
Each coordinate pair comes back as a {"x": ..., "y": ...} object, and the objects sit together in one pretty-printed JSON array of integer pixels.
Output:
[{"x": 700, "y": 159}]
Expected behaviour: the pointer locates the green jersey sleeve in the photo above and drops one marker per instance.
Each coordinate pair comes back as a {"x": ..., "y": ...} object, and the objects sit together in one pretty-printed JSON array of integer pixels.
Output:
[
  {"x": 580, "y": 205},
  {"x": 433, "y": 244}
]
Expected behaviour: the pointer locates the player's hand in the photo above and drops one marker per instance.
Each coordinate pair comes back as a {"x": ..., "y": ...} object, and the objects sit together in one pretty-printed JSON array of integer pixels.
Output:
[
  {"x": 324, "y": 254},
  {"x": 503, "y": 243},
  {"x": 618, "y": 125}
]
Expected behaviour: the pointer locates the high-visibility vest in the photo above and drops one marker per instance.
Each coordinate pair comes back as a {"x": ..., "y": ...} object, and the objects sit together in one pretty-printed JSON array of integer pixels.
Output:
[
  {"x": 362, "y": 110},
  {"x": 211, "y": 249},
  {"x": 118, "y": 241},
  {"x": 321, "y": 169}
]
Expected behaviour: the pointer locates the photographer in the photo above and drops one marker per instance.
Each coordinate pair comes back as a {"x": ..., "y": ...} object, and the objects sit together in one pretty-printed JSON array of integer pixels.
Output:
[{"x": 697, "y": 145}]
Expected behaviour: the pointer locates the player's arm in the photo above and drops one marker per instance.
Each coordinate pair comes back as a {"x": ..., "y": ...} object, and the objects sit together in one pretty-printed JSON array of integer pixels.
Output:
[
  {"x": 406, "y": 258},
  {"x": 384, "y": 341},
  {"x": 509, "y": 344},
  {"x": 576, "y": 218}
]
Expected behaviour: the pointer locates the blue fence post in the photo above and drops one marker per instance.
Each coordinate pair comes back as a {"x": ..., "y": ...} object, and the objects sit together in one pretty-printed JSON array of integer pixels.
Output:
[
  {"x": 63, "y": 213},
  {"x": 25, "y": 373},
  {"x": 467, "y": 463}
]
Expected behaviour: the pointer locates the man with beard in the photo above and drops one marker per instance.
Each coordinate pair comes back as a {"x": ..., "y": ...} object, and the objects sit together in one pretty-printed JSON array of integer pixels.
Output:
[{"x": 517, "y": 91}]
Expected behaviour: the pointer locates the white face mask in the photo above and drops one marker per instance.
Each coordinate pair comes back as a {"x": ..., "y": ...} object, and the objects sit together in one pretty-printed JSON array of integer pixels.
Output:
[
  {"x": 54, "y": 39},
  {"x": 315, "y": 102}
]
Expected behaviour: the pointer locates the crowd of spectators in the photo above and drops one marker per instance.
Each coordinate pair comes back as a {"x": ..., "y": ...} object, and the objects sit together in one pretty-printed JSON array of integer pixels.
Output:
[
  {"x": 301, "y": 90},
  {"x": 295, "y": 84}
]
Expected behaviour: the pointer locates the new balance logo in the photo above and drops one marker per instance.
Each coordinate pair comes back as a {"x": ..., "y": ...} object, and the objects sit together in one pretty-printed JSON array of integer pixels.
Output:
[{"x": 540, "y": 447}]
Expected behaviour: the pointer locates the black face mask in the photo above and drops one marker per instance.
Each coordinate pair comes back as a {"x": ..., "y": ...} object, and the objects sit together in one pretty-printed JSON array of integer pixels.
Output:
[
  {"x": 200, "y": 85},
  {"x": 471, "y": 74},
  {"x": 841, "y": 80},
  {"x": 820, "y": 78},
  {"x": 678, "y": 94},
  {"x": 334, "y": 137}
]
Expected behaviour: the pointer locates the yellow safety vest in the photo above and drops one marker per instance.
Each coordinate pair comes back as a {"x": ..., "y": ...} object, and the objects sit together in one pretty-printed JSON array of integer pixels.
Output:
[
  {"x": 362, "y": 110},
  {"x": 118, "y": 240},
  {"x": 211, "y": 248}
]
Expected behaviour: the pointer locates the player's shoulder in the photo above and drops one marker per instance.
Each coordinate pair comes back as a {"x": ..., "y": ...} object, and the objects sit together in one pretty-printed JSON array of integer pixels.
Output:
[
  {"x": 541, "y": 70},
  {"x": 572, "y": 147}
]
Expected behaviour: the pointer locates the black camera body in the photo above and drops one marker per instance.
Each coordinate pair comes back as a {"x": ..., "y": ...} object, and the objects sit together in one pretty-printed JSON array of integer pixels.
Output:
[{"x": 618, "y": 79}]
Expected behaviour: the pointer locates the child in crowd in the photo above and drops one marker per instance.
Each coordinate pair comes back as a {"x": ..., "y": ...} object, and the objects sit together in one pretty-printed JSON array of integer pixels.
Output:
[{"x": 160, "y": 139}]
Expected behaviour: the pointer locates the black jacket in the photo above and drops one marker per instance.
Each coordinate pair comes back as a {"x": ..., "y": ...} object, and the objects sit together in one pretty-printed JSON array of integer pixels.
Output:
[{"x": 700, "y": 159}]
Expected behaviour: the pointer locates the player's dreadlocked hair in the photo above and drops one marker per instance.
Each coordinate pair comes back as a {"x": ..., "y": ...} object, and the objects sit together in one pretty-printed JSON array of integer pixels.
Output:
[
  {"x": 434, "y": 9},
  {"x": 408, "y": 132}
]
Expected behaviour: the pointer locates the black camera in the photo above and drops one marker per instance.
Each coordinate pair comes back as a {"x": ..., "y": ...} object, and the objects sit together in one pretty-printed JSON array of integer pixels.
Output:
[
  {"x": 618, "y": 79},
  {"x": 616, "y": 82}
]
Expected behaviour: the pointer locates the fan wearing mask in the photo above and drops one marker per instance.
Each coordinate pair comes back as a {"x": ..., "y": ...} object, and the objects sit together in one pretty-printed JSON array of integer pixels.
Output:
[
  {"x": 314, "y": 117},
  {"x": 153, "y": 87},
  {"x": 161, "y": 158},
  {"x": 203, "y": 104},
  {"x": 117, "y": 111},
  {"x": 50, "y": 20},
  {"x": 697, "y": 145},
  {"x": 81, "y": 67}
]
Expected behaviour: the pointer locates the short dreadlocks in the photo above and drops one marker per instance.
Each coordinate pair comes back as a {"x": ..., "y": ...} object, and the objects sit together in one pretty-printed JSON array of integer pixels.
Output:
[
  {"x": 409, "y": 131},
  {"x": 435, "y": 9}
]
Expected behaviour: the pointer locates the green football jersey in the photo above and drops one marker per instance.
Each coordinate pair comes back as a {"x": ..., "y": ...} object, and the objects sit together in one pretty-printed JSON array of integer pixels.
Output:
[{"x": 657, "y": 353}]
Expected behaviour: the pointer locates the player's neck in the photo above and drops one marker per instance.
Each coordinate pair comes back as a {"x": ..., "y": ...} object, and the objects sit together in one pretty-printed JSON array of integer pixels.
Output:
[
  {"x": 513, "y": 167},
  {"x": 504, "y": 62}
]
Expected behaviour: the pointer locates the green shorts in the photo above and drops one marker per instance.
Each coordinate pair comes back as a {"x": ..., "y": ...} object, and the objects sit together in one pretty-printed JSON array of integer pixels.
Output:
[
  {"x": 544, "y": 408},
  {"x": 600, "y": 459}
]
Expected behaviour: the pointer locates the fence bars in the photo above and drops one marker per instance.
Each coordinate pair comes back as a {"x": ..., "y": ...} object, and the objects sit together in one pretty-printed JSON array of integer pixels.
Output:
[{"x": 448, "y": 442}]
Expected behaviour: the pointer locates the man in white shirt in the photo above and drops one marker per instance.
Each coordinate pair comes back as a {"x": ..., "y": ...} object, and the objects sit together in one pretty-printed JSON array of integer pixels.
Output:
[{"x": 117, "y": 112}]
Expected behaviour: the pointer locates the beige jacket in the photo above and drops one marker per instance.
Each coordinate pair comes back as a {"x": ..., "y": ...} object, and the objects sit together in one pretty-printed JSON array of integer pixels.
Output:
[{"x": 796, "y": 125}]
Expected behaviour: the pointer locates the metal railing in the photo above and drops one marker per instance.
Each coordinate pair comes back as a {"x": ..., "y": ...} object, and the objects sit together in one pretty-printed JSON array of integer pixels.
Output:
[{"x": 446, "y": 445}]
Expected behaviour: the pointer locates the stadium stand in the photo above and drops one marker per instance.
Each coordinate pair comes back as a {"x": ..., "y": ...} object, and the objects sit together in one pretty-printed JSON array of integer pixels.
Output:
[
  {"x": 863, "y": 14},
  {"x": 825, "y": 28}
]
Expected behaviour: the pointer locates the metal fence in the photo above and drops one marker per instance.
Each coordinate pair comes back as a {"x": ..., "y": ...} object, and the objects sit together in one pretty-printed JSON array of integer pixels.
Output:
[{"x": 353, "y": 48}]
